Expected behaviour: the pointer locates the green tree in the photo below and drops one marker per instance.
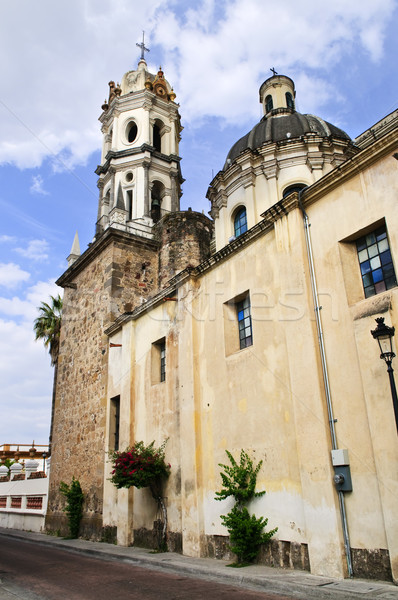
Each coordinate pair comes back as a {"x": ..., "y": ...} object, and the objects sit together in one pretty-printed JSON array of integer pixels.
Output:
[{"x": 47, "y": 327}]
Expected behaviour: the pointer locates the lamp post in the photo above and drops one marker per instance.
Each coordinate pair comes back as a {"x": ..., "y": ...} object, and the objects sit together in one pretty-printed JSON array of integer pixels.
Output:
[
  {"x": 44, "y": 455},
  {"x": 384, "y": 334}
]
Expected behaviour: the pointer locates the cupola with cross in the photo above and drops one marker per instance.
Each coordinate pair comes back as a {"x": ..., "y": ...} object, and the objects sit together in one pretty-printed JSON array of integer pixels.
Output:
[{"x": 139, "y": 175}]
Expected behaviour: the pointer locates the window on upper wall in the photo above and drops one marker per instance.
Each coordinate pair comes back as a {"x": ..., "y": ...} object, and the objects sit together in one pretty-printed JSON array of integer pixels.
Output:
[
  {"x": 240, "y": 222},
  {"x": 238, "y": 333},
  {"x": 244, "y": 322},
  {"x": 269, "y": 104},
  {"x": 157, "y": 140},
  {"x": 162, "y": 349},
  {"x": 289, "y": 100},
  {"x": 374, "y": 255},
  {"x": 296, "y": 187},
  {"x": 158, "y": 360},
  {"x": 131, "y": 132},
  {"x": 114, "y": 423}
]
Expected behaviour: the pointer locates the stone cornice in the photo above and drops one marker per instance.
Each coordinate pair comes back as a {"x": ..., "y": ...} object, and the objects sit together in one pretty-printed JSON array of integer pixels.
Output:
[
  {"x": 114, "y": 155},
  {"x": 110, "y": 235}
]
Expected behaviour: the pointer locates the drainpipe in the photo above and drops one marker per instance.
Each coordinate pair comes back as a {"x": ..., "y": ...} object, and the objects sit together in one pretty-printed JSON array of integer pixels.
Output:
[{"x": 317, "y": 309}]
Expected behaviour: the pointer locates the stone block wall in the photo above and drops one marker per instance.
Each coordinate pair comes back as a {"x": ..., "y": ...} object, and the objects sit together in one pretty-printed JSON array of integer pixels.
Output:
[
  {"x": 111, "y": 277},
  {"x": 184, "y": 239}
]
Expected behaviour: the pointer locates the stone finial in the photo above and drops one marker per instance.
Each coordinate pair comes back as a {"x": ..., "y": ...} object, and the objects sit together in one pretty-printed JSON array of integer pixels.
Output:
[
  {"x": 75, "y": 250},
  {"x": 120, "y": 200},
  {"x": 32, "y": 450},
  {"x": 118, "y": 214},
  {"x": 15, "y": 469},
  {"x": 31, "y": 466}
]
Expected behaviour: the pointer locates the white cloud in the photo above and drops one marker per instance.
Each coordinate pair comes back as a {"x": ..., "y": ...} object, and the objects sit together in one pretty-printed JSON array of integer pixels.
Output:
[
  {"x": 25, "y": 371},
  {"x": 4, "y": 239},
  {"x": 26, "y": 306},
  {"x": 254, "y": 35},
  {"x": 11, "y": 275},
  {"x": 36, "y": 250},
  {"x": 37, "y": 186},
  {"x": 214, "y": 53},
  {"x": 26, "y": 379}
]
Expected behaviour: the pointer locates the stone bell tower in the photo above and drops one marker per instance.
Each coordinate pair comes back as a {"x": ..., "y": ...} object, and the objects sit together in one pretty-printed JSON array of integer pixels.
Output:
[
  {"x": 139, "y": 175},
  {"x": 142, "y": 240}
]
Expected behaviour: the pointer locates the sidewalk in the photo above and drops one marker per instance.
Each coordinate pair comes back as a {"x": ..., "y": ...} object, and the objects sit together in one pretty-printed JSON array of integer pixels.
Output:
[{"x": 299, "y": 584}]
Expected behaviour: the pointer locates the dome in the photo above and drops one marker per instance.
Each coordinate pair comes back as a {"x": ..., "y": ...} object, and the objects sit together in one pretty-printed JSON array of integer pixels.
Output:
[
  {"x": 281, "y": 122},
  {"x": 283, "y": 127}
]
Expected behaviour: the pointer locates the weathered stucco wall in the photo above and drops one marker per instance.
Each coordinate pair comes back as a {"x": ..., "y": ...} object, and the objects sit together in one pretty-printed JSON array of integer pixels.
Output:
[{"x": 269, "y": 398}]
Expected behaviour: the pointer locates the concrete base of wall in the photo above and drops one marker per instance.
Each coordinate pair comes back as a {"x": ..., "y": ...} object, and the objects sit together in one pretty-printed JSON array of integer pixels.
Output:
[{"x": 22, "y": 521}]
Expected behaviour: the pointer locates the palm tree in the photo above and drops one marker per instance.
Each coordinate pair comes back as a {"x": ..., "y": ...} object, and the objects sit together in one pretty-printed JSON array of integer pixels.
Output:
[{"x": 47, "y": 327}]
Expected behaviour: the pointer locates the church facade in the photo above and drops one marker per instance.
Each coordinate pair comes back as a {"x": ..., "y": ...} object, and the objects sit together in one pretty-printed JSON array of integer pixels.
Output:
[{"x": 249, "y": 329}]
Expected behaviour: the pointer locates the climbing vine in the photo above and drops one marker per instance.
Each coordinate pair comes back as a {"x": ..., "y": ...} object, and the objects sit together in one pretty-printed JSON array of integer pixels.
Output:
[
  {"x": 143, "y": 466},
  {"x": 246, "y": 531},
  {"x": 74, "y": 505}
]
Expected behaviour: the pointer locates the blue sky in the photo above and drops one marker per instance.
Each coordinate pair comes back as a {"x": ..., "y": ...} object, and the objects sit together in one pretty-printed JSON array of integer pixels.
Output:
[{"x": 57, "y": 60}]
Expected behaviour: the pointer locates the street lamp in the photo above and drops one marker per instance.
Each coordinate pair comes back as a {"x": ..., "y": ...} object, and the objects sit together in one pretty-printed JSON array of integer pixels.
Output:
[
  {"x": 44, "y": 455},
  {"x": 384, "y": 334}
]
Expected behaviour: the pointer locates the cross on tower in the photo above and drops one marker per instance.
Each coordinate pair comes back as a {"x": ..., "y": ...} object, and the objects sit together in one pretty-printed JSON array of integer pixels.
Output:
[
  {"x": 273, "y": 70},
  {"x": 142, "y": 46}
]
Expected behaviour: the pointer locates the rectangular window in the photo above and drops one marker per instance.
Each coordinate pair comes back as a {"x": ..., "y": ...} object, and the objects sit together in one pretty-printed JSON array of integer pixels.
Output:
[
  {"x": 238, "y": 333},
  {"x": 162, "y": 349},
  {"x": 375, "y": 261},
  {"x": 244, "y": 323},
  {"x": 114, "y": 423},
  {"x": 158, "y": 361}
]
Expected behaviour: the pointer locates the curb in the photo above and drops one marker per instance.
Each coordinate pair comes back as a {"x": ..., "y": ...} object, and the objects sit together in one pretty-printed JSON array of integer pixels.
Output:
[{"x": 300, "y": 584}]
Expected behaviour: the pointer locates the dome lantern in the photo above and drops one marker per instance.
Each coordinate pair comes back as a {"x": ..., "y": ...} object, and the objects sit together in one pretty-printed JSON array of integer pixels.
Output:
[{"x": 277, "y": 94}]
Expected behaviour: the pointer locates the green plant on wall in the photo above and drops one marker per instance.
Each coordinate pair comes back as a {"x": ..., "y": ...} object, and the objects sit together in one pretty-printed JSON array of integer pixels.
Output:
[
  {"x": 74, "y": 505},
  {"x": 143, "y": 466},
  {"x": 246, "y": 531}
]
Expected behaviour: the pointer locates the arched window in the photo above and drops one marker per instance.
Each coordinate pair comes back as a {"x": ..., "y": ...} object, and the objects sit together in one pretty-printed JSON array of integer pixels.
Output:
[
  {"x": 157, "y": 143},
  {"x": 289, "y": 100},
  {"x": 296, "y": 187},
  {"x": 240, "y": 222},
  {"x": 269, "y": 104},
  {"x": 157, "y": 193}
]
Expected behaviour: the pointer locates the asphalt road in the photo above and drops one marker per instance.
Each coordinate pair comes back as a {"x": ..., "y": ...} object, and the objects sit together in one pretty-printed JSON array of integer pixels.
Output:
[{"x": 31, "y": 571}]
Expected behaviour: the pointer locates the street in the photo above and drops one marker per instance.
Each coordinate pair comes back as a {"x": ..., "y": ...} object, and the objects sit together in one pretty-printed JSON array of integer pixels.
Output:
[{"x": 30, "y": 571}]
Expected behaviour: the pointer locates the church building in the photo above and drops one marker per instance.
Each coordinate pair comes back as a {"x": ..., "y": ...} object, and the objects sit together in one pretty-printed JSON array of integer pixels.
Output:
[{"x": 249, "y": 329}]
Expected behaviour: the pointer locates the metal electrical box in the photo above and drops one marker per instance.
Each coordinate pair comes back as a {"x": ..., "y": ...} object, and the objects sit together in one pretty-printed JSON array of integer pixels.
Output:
[
  {"x": 342, "y": 478},
  {"x": 342, "y": 473},
  {"x": 340, "y": 457}
]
